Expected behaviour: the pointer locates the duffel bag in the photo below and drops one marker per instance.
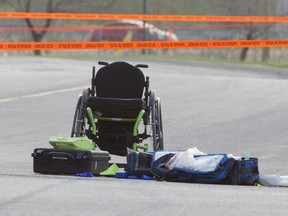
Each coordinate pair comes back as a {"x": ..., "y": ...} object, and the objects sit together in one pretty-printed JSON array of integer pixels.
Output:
[
  {"x": 160, "y": 168},
  {"x": 244, "y": 172}
]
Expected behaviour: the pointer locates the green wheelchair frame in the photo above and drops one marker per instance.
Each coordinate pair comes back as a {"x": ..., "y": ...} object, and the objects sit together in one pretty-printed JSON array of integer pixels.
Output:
[{"x": 135, "y": 146}]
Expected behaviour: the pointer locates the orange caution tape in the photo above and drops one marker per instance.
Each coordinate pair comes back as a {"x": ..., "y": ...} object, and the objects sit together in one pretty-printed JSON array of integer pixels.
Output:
[
  {"x": 183, "y": 18},
  {"x": 141, "y": 45}
]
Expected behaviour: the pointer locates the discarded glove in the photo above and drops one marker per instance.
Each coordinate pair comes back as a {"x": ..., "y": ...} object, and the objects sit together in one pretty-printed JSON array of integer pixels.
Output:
[{"x": 85, "y": 174}]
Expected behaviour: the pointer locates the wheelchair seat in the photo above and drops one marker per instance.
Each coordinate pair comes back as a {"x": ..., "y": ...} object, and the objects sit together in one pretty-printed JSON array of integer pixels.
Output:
[{"x": 116, "y": 107}]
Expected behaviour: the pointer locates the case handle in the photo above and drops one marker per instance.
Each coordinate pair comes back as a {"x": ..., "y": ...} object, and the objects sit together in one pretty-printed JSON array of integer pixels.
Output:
[{"x": 61, "y": 156}]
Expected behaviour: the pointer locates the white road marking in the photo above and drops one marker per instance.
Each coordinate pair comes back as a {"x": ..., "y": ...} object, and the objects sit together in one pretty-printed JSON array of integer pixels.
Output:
[
  {"x": 9, "y": 99},
  {"x": 40, "y": 94}
]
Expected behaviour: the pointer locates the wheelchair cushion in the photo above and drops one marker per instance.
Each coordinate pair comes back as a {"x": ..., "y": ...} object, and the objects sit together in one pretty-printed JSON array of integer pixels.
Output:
[
  {"x": 116, "y": 107},
  {"x": 119, "y": 80}
]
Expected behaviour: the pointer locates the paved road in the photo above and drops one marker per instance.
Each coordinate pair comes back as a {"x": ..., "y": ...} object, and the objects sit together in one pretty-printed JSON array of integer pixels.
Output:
[{"x": 218, "y": 108}]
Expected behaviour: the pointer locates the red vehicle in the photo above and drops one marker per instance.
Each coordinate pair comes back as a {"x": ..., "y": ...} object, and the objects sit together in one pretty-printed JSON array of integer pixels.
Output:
[{"x": 118, "y": 31}]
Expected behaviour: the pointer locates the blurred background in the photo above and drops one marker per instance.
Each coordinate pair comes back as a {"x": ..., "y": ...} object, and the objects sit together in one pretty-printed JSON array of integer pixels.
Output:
[{"x": 20, "y": 30}]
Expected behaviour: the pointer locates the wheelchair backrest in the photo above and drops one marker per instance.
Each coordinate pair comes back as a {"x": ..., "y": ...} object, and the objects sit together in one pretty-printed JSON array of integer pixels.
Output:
[{"x": 119, "y": 80}]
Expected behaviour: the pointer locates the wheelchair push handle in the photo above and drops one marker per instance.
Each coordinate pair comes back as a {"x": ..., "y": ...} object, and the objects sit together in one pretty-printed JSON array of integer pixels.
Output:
[
  {"x": 92, "y": 89},
  {"x": 137, "y": 65},
  {"x": 103, "y": 63},
  {"x": 141, "y": 66}
]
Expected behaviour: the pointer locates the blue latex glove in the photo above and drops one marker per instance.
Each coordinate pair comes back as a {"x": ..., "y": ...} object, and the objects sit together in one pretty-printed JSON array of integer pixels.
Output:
[{"x": 85, "y": 174}]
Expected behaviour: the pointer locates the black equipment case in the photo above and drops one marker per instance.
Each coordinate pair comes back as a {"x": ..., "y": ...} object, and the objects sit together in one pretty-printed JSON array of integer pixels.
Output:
[{"x": 64, "y": 161}]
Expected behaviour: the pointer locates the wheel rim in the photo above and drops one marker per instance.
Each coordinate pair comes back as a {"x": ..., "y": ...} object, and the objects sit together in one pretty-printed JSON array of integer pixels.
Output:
[
  {"x": 76, "y": 114},
  {"x": 80, "y": 120},
  {"x": 158, "y": 125},
  {"x": 156, "y": 122}
]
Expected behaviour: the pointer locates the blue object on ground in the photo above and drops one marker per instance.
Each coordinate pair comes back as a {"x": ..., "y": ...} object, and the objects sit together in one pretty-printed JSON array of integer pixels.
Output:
[
  {"x": 133, "y": 177},
  {"x": 121, "y": 174},
  {"x": 85, "y": 174},
  {"x": 144, "y": 177}
]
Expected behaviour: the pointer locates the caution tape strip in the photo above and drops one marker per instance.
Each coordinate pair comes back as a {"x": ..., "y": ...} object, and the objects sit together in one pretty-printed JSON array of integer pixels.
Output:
[
  {"x": 141, "y": 45},
  {"x": 183, "y": 18}
]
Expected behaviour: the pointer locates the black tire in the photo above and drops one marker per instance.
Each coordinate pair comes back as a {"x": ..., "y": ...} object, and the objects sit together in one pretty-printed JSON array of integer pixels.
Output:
[
  {"x": 76, "y": 114},
  {"x": 80, "y": 121},
  {"x": 156, "y": 122},
  {"x": 159, "y": 125}
]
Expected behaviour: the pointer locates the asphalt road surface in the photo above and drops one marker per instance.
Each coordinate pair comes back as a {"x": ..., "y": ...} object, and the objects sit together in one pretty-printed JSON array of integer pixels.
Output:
[{"x": 218, "y": 108}]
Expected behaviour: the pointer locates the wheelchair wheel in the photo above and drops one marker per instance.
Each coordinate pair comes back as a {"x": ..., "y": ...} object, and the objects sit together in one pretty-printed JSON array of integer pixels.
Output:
[
  {"x": 73, "y": 132},
  {"x": 79, "y": 121},
  {"x": 156, "y": 122}
]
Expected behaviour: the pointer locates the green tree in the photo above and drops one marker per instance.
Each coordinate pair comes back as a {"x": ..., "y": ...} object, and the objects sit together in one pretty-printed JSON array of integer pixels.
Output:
[
  {"x": 252, "y": 31},
  {"x": 48, "y": 6}
]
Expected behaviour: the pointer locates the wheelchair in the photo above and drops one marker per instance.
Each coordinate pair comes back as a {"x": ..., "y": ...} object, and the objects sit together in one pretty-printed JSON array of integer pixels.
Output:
[{"x": 110, "y": 112}]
